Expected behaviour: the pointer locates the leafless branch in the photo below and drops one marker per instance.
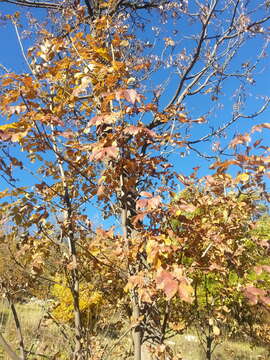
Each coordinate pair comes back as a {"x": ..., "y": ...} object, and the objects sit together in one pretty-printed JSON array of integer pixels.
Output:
[
  {"x": 235, "y": 117},
  {"x": 35, "y": 4}
]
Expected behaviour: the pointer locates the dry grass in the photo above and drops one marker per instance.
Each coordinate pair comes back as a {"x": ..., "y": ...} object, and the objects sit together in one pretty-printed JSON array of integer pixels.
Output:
[
  {"x": 42, "y": 336},
  {"x": 237, "y": 350},
  {"x": 190, "y": 348}
]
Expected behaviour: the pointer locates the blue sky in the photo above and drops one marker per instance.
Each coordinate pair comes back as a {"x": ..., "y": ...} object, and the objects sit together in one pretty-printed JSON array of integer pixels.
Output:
[{"x": 196, "y": 106}]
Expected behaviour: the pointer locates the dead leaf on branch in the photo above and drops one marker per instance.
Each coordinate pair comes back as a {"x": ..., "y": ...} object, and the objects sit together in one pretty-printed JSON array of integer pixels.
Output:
[
  {"x": 240, "y": 140},
  {"x": 106, "y": 153},
  {"x": 129, "y": 95},
  {"x": 186, "y": 208},
  {"x": 260, "y": 127},
  {"x": 146, "y": 194},
  {"x": 185, "y": 290},
  {"x": 135, "y": 130},
  {"x": 254, "y": 294},
  {"x": 165, "y": 281},
  {"x": 149, "y": 204},
  {"x": 260, "y": 268},
  {"x": 16, "y": 109},
  {"x": 216, "y": 331},
  {"x": 104, "y": 119},
  {"x": 139, "y": 218},
  {"x": 141, "y": 204},
  {"x": 85, "y": 82}
]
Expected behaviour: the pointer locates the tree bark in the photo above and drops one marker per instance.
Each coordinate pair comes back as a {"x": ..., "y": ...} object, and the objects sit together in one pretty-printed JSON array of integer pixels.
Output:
[
  {"x": 209, "y": 340},
  {"x": 136, "y": 334},
  {"x": 18, "y": 329}
]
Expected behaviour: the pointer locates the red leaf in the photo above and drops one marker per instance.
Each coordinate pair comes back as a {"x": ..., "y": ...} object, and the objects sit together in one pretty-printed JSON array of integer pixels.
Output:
[
  {"x": 104, "y": 119},
  {"x": 141, "y": 203},
  {"x": 110, "y": 152},
  {"x": 265, "y": 300},
  {"x": 259, "y": 269},
  {"x": 130, "y": 95},
  {"x": 266, "y": 268},
  {"x": 67, "y": 134},
  {"x": 132, "y": 130},
  {"x": 166, "y": 282}
]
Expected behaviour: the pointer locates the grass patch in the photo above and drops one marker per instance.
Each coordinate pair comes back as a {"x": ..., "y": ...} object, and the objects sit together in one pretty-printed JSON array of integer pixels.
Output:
[
  {"x": 43, "y": 337},
  {"x": 238, "y": 350}
]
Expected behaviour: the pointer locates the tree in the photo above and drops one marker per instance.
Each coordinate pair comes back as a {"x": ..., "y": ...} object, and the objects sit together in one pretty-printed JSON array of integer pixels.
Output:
[
  {"x": 97, "y": 131},
  {"x": 228, "y": 256}
]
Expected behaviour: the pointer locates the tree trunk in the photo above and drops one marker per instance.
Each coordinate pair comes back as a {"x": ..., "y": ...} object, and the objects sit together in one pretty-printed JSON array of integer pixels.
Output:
[
  {"x": 18, "y": 329},
  {"x": 136, "y": 334},
  {"x": 75, "y": 281},
  {"x": 209, "y": 340}
]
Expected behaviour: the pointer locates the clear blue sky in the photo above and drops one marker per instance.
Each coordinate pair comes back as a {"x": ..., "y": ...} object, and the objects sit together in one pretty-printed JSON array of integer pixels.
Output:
[{"x": 11, "y": 57}]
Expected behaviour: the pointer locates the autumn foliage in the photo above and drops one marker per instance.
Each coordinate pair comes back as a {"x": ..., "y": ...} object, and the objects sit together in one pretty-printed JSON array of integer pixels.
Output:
[{"x": 80, "y": 131}]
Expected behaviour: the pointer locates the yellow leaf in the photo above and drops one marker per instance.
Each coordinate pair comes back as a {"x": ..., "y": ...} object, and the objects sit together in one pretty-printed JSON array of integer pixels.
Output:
[
  {"x": 168, "y": 241},
  {"x": 169, "y": 42},
  {"x": 124, "y": 43},
  {"x": 13, "y": 125},
  {"x": 216, "y": 330},
  {"x": 4, "y": 193},
  {"x": 150, "y": 244},
  {"x": 103, "y": 53},
  {"x": 242, "y": 177}
]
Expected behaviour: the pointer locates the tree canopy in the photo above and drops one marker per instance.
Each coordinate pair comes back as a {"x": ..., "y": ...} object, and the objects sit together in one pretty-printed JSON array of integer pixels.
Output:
[{"x": 135, "y": 166}]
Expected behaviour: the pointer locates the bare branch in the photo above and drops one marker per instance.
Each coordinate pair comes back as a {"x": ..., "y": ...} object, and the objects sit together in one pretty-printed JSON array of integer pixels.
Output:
[
  {"x": 229, "y": 123},
  {"x": 195, "y": 57},
  {"x": 35, "y": 4}
]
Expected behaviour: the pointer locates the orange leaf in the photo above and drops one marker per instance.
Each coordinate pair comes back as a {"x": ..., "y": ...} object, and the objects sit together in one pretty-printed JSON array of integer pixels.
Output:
[
  {"x": 154, "y": 202},
  {"x": 260, "y": 127},
  {"x": 240, "y": 139},
  {"x": 185, "y": 291},
  {"x": 146, "y": 194}
]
